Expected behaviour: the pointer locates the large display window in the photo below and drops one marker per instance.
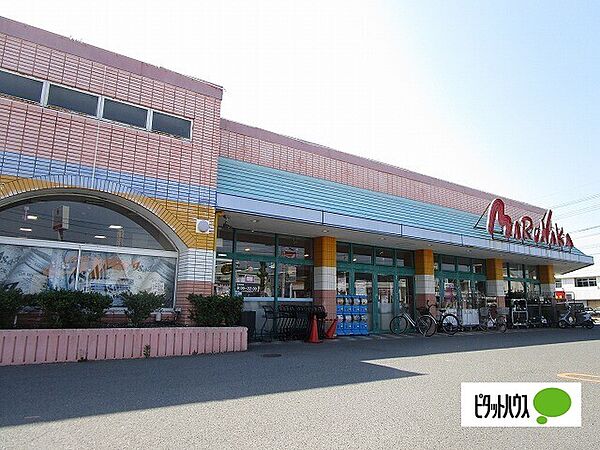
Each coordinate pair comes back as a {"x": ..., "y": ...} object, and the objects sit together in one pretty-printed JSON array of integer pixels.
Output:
[
  {"x": 35, "y": 268},
  {"x": 263, "y": 267},
  {"x": 77, "y": 243}
]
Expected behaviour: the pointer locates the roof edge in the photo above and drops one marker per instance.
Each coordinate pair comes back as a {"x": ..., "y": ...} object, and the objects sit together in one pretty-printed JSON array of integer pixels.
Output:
[
  {"x": 321, "y": 150},
  {"x": 83, "y": 50}
]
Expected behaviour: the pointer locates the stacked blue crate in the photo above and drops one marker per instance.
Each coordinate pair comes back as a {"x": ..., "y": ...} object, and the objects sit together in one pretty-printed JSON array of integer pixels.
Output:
[{"x": 351, "y": 313}]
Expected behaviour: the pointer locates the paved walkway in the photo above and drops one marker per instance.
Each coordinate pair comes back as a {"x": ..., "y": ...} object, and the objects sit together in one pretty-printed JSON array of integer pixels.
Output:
[{"x": 361, "y": 392}]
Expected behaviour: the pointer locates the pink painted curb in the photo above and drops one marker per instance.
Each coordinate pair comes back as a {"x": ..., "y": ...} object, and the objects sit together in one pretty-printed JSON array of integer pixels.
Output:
[{"x": 19, "y": 347}]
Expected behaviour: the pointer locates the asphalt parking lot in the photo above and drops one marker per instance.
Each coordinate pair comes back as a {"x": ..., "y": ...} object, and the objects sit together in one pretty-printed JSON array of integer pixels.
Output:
[{"x": 372, "y": 392}]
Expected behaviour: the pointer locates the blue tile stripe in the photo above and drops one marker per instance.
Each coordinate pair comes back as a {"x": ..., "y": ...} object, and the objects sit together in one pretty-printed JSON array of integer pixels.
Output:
[
  {"x": 19, "y": 165},
  {"x": 248, "y": 180}
]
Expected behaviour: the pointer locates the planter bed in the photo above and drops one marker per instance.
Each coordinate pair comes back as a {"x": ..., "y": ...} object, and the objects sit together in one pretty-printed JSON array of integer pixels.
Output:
[{"x": 37, "y": 346}]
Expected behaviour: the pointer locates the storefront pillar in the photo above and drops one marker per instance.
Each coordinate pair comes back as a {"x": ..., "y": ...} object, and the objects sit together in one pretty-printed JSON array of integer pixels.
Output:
[
  {"x": 547, "y": 283},
  {"x": 424, "y": 279},
  {"x": 195, "y": 275},
  {"x": 494, "y": 284},
  {"x": 325, "y": 276}
]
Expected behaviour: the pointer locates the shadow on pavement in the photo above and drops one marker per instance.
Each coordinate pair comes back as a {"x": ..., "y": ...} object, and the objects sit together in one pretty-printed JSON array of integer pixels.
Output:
[{"x": 61, "y": 391}]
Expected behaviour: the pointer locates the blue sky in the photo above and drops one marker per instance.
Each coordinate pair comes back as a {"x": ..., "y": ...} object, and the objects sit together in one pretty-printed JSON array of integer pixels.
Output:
[{"x": 501, "y": 96}]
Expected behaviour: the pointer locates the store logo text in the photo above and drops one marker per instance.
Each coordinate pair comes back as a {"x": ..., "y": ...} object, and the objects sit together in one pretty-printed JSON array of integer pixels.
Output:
[{"x": 544, "y": 233}]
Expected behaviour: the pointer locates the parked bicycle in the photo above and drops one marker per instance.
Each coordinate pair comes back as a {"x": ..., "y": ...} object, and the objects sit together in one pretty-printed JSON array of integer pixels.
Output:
[
  {"x": 447, "y": 322},
  {"x": 488, "y": 322},
  {"x": 425, "y": 324}
]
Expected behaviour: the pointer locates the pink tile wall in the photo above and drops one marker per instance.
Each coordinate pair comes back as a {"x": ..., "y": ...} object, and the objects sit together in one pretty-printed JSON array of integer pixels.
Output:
[
  {"x": 253, "y": 150},
  {"x": 43, "y": 132}
]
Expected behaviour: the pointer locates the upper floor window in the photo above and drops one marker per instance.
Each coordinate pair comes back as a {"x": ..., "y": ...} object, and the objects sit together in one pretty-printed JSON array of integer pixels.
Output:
[
  {"x": 124, "y": 113},
  {"x": 558, "y": 283},
  {"x": 171, "y": 125},
  {"x": 22, "y": 87},
  {"x": 72, "y": 100},
  {"x": 82, "y": 102},
  {"x": 585, "y": 282}
]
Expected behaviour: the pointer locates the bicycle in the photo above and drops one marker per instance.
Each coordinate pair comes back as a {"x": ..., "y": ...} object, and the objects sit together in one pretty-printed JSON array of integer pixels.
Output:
[
  {"x": 447, "y": 321},
  {"x": 425, "y": 324},
  {"x": 488, "y": 322}
]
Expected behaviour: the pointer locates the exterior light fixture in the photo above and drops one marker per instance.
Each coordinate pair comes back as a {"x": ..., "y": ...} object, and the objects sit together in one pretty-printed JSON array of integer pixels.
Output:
[
  {"x": 221, "y": 254},
  {"x": 255, "y": 220},
  {"x": 115, "y": 227},
  {"x": 27, "y": 230},
  {"x": 247, "y": 249},
  {"x": 32, "y": 217},
  {"x": 306, "y": 255},
  {"x": 100, "y": 236}
]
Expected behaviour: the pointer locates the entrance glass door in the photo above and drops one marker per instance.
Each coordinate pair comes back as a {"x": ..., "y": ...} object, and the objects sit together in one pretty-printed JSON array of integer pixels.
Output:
[
  {"x": 405, "y": 299},
  {"x": 385, "y": 300},
  {"x": 363, "y": 285}
]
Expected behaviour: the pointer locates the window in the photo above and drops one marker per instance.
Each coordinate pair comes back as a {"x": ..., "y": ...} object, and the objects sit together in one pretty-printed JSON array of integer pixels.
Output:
[
  {"x": 342, "y": 252},
  {"x": 224, "y": 240},
  {"x": 171, "y": 125},
  {"x": 124, "y": 113},
  {"x": 254, "y": 278},
  {"x": 531, "y": 272},
  {"x": 295, "y": 281},
  {"x": 585, "y": 282},
  {"x": 117, "y": 273},
  {"x": 34, "y": 269},
  {"x": 21, "y": 87},
  {"x": 295, "y": 247},
  {"x": 223, "y": 270},
  {"x": 343, "y": 283},
  {"x": 72, "y": 100},
  {"x": 62, "y": 218},
  {"x": 404, "y": 258},
  {"x": 558, "y": 283},
  {"x": 362, "y": 254},
  {"x": 448, "y": 263},
  {"x": 515, "y": 270},
  {"x": 464, "y": 265},
  {"x": 384, "y": 257},
  {"x": 478, "y": 266},
  {"x": 255, "y": 243}
]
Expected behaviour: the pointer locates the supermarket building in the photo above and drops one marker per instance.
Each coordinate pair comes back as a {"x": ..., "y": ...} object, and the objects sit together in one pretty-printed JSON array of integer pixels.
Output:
[{"x": 116, "y": 175}]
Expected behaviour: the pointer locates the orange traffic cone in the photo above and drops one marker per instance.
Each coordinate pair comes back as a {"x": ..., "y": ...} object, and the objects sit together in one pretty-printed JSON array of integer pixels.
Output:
[
  {"x": 313, "y": 337},
  {"x": 330, "y": 334}
]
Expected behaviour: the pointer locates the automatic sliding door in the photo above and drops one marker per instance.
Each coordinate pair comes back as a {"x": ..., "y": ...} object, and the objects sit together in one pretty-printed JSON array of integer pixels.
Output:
[
  {"x": 385, "y": 299},
  {"x": 363, "y": 285}
]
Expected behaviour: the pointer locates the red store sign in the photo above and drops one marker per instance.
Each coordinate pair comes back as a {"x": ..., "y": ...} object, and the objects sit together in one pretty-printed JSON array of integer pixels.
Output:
[{"x": 523, "y": 229}]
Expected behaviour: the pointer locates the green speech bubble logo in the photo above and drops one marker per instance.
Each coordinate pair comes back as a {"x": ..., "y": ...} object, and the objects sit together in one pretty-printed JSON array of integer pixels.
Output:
[{"x": 552, "y": 402}]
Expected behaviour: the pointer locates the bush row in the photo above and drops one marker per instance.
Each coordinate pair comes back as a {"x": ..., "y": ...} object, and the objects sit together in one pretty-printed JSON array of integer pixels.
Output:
[{"x": 76, "y": 309}]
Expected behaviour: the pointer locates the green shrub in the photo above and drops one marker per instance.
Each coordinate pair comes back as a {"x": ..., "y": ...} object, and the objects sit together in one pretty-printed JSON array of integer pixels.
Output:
[
  {"x": 216, "y": 310},
  {"x": 140, "y": 305},
  {"x": 72, "y": 309},
  {"x": 11, "y": 301}
]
